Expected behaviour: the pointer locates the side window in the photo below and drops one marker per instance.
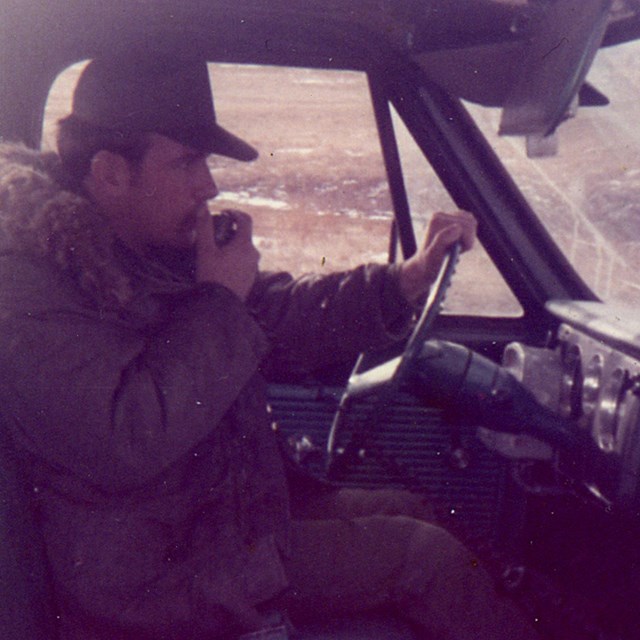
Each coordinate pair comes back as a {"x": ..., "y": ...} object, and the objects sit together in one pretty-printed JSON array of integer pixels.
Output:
[
  {"x": 318, "y": 192},
  {"x": 478, "y": 288},
  {"x": 59, "y": 103}
]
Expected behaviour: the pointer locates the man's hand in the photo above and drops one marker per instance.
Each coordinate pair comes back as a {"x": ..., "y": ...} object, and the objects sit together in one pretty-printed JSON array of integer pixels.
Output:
[
  {"x": 419, "y": 272},
  {"x": 235, "y": 265}
]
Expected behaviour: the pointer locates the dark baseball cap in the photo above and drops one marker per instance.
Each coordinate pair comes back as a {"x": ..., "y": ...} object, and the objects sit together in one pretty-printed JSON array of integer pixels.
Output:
[{"x": 169, "y": 97}]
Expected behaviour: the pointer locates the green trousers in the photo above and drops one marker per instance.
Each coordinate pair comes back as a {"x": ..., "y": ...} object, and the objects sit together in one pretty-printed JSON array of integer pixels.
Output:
[{"x": 353, "y": 562}]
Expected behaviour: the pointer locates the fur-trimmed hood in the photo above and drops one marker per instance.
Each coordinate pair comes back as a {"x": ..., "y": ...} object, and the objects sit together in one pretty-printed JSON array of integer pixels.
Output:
[{"x": 40, "y": 217}]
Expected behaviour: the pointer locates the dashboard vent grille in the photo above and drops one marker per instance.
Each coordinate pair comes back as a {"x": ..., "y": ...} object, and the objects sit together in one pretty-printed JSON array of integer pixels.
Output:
[{"x": 413, "y": 438}]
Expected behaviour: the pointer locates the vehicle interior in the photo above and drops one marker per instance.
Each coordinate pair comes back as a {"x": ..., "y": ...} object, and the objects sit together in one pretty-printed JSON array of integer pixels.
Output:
[{"x": 525, "y": 435}]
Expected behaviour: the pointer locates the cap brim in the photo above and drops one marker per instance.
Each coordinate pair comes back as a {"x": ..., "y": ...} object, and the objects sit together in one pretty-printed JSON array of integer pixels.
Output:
[
  {"x": 225, "y": 143},
  {"x": 216, "y": 140}
]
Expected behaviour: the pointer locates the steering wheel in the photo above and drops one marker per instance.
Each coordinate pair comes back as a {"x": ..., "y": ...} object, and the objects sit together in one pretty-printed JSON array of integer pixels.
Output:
[{"x": 385, "y": 380}]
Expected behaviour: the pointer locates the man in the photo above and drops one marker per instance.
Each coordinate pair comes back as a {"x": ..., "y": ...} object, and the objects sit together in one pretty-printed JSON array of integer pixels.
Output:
[{"x": 133, "y": 387}]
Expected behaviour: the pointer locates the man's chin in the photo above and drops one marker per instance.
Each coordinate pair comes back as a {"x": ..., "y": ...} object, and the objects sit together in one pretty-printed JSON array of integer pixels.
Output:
[
  {"x": 180, "y": 260},
  {"x": 185, "y": 242}
]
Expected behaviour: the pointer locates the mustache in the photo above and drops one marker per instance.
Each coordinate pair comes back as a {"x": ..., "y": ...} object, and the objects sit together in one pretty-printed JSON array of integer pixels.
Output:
[{"x": 190, "y": 218}]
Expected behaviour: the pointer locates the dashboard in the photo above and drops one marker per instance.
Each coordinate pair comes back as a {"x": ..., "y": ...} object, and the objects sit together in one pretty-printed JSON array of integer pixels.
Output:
[{"x": 591, "y": 377}]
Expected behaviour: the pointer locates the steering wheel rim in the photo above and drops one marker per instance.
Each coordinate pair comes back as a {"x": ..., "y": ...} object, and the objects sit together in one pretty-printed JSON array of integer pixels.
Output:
[
  {"x": 430, "y": 311},
  {"x": 419, "y": 335}
]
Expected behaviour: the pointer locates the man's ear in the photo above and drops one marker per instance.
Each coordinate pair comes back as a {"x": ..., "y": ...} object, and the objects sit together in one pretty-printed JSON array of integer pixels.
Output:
[{"x": 110, "y": 173}]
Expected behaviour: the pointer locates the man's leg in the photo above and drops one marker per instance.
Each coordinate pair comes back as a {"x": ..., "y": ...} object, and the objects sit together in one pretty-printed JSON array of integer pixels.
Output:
[
  {"x": 420, "y": 571},
  {"x": 331, "y": 503}
]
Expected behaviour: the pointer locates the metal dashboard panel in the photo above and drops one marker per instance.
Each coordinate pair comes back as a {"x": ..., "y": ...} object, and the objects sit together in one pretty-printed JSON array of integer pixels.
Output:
[
  {"x": 467, "y": 484},
  {"x": 593, "y": 377}
]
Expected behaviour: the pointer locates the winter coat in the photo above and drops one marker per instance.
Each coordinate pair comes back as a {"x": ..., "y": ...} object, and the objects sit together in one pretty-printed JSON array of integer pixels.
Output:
[{"x": 137, "y": 401}]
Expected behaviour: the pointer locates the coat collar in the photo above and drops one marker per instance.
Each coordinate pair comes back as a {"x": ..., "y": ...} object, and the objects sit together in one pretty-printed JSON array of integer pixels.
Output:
[{"x": 40, "y": 215}]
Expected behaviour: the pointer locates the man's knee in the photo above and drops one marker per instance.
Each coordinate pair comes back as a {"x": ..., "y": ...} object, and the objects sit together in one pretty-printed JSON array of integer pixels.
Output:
[
  {"x": 348, "y": 503},
  {"x": 367, "y": 553},
  {"x": 390, "y": 502},
  {"x": 433, "y": 554}
]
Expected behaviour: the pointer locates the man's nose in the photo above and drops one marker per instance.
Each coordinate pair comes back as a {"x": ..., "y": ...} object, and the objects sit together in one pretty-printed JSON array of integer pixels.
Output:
[{"x": 206, "y": 187}]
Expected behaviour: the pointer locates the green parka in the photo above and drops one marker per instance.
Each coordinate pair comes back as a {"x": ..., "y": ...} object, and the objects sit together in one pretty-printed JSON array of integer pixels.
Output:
[{"x": 137, "y": 402}]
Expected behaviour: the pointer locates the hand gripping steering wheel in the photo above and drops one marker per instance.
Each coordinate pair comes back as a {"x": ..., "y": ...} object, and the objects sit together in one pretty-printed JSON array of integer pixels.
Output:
[{"x": 385, "y": 380}]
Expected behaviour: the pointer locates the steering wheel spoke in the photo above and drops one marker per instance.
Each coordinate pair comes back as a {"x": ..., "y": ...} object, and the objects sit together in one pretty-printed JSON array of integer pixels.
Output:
[{"x": 385, "y": 380}]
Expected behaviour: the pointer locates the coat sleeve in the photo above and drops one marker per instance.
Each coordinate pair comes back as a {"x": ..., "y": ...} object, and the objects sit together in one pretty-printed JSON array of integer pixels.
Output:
[
  {"x": 316, "y": 321},
  {"x": 109, "y": 400}
]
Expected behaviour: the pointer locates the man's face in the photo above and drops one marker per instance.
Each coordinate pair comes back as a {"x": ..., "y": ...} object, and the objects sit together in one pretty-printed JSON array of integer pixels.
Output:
[{"x": 165, "y": 192}]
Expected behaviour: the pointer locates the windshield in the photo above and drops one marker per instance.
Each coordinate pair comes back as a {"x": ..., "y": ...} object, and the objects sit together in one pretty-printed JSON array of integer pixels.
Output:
[{"x": 588, "y": 193}]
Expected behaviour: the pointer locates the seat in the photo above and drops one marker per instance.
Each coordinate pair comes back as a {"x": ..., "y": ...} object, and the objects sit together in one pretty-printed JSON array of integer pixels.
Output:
[{"x": 27, "y": 611}]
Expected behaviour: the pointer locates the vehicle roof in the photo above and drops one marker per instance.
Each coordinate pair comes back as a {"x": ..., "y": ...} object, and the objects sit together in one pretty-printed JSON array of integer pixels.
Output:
[{"x": 477, "y": 49}]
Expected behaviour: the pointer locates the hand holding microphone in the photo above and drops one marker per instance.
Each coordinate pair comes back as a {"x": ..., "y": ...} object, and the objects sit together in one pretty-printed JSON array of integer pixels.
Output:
[{"x": 225, "y": 253}]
